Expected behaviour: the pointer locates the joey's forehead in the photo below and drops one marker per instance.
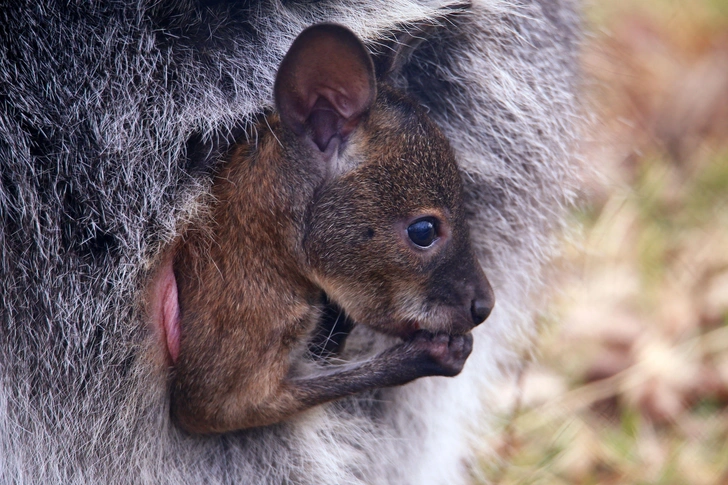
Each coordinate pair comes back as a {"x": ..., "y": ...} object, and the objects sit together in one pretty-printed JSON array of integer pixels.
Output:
[
  {"x": 418, "y": 161},
  {"x": 392, "y": 191},
  {"x": 431, "y": 174}
]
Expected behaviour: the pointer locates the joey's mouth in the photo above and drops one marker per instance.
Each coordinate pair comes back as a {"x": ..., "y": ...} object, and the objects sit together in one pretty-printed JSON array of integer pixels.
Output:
[
  {"x": 453, "y": 328},
  {"x": 409, "y": 329},
  {"x": 165, "y": 308}
]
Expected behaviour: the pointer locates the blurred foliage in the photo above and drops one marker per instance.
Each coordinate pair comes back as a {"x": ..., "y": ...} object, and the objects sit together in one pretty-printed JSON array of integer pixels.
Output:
[{"x": 631, "y": 384}]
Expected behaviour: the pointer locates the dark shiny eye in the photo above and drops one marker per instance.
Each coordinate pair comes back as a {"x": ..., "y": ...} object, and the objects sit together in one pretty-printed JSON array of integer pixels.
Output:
[{"x": 422, "y": 232}]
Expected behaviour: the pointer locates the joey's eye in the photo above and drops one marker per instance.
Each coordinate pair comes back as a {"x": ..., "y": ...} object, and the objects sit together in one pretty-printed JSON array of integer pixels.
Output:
[{"x": 422, "y": 232}]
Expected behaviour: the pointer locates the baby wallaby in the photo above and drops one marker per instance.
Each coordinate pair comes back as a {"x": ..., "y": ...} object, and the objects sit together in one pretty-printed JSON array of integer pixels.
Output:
[{"x": 350, "y": 191}]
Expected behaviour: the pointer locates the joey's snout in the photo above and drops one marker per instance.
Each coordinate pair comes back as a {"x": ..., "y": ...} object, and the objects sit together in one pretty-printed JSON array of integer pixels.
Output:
[{"x": 465, "y": 295}]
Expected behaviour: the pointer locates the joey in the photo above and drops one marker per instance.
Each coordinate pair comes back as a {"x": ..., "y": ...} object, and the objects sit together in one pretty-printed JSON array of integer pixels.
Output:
[{"x": 349, "y": 191}]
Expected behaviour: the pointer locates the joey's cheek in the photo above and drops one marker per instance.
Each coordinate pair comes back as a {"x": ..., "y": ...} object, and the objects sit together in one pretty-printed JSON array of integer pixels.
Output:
[{"x": 165, "y": 309}]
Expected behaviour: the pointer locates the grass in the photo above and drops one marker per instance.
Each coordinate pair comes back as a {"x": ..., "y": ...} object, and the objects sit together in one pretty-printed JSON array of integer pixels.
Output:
[{"x": 631, "y": 384}]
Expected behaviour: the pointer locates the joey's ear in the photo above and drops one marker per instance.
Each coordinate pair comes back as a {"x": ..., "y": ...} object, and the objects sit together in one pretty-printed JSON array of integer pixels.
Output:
[{"x": 325, "y": 84}]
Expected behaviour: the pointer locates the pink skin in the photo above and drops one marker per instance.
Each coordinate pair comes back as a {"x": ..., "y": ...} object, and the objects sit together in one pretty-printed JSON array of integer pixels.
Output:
[{"x": 165, "y": 308}]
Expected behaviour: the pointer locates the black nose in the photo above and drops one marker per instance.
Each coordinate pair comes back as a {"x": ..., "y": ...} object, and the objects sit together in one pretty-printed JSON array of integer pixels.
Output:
[{"x": 480, "y": 309}]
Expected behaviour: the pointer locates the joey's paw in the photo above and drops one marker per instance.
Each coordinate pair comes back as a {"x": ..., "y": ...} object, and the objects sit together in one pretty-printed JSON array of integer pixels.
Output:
[{"x": 442, "y": 354}]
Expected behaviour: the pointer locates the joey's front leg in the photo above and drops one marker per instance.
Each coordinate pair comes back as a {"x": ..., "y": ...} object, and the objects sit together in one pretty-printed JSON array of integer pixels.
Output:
[{"x": 425, "y": 354}]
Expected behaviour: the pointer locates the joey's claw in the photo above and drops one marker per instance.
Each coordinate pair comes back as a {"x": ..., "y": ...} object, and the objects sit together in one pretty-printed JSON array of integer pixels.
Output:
[{"x": 442, "y": 354}]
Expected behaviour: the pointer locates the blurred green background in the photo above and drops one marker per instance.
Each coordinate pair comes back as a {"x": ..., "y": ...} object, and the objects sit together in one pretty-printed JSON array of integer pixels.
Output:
[{"x": 630, "y": 381}]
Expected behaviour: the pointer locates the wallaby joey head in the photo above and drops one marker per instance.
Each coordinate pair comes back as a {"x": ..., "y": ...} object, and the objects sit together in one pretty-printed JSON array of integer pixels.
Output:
[{"x": 352, "y": 191}]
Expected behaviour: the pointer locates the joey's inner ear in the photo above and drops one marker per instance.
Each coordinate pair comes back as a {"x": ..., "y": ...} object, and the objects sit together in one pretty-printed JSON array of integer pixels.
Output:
[{"x": 325, "y": 84}]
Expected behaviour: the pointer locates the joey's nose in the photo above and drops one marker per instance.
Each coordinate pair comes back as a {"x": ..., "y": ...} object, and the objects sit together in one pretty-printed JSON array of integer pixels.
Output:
[
  {"x": 483, "y": 299},
  {"x": 480, "y": 308}
]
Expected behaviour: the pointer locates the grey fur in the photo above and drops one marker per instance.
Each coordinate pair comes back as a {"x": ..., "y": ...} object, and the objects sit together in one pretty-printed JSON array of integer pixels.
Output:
[{"x": 97, "y": 103}]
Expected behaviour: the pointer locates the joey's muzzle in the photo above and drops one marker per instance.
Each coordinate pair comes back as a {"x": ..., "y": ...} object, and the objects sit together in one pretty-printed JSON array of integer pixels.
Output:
[{"x": 464, "y": 289}]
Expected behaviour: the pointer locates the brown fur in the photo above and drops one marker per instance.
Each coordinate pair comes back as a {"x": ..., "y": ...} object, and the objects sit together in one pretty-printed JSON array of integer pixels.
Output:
[{"x": 304, "y": 212}]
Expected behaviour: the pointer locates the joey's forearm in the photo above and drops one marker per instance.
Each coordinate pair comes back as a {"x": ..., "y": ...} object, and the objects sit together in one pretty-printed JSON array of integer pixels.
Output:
[{"x": 424, "y": 355}]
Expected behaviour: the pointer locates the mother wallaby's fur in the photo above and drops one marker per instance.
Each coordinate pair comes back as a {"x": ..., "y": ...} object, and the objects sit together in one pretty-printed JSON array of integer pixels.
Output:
[{"x": 103, "y": 109}]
